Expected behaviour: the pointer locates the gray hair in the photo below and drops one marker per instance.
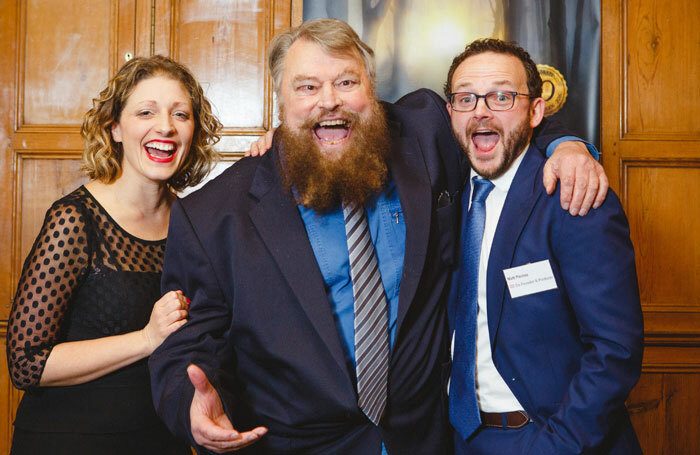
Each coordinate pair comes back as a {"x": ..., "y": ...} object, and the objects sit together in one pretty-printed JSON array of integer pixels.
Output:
[{"x": 332, "y": 35}]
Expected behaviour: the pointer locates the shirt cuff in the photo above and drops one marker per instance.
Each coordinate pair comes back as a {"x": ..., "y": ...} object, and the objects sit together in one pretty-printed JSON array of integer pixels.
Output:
[{"x": 591, "y": 148}]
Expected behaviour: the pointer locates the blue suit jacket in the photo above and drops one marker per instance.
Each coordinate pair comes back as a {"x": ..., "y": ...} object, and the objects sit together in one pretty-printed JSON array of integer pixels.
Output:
[{"x": 570, "y": 355}]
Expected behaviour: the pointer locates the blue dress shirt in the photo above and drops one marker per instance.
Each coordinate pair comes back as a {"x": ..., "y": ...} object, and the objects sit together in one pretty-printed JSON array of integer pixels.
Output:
[
  {"x": 591, "y": 148},
  {"x": 328, "y": 240},
  {"x": 327, "y": 236}
]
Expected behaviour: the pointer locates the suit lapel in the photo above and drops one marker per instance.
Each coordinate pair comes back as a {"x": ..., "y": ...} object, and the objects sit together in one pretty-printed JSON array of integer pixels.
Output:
[
  {"x": 524, "y": 192},
  {"x": 409, "y": 172},
  {"x": 279, "y": 223},
  {"x": 462, "y": 220}
]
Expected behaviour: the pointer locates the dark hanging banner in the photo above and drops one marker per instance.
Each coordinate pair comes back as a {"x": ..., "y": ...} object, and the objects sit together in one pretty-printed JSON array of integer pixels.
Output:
[
  {"x": 565, "y": 36},
  {"x": 415, "y": 41}
]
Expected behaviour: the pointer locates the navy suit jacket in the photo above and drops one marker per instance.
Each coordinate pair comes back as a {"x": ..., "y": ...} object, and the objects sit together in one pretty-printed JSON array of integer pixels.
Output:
[
  {"x": 570, "y": 355},
  {"x": 261, "y": 325}
]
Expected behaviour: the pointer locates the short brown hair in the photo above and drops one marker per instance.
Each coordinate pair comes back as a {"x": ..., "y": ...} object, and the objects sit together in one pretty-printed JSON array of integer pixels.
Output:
[
  {"x": 332, "y": 35},
  {"x": 102, "y": 157},
  {"x": 534, "y": 81}
]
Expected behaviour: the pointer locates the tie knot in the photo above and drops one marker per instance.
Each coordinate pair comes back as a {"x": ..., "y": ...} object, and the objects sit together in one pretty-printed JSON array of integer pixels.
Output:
[
  {"x": 482, "y": 188},
  {"x": 352, "y": 211}
]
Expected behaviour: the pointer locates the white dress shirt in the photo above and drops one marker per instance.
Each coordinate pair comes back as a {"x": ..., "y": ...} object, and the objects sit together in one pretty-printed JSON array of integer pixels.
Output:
[{"x": 491, "y": 390}]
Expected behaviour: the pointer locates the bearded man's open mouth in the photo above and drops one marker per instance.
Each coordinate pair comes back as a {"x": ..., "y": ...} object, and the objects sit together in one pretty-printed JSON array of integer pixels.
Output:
[{"x": 332, "y": 132}]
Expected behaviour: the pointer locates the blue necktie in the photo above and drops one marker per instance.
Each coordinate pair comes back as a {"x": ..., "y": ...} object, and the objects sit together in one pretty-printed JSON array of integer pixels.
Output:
[{"x": 464, "y": 408}]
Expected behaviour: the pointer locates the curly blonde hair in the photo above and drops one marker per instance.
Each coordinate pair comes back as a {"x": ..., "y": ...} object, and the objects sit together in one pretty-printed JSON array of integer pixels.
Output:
[{"x": 102, "y": 157}]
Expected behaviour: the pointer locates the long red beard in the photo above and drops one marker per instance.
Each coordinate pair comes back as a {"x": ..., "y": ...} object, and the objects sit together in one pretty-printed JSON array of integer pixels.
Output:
[{"x": 321, "y": 183}]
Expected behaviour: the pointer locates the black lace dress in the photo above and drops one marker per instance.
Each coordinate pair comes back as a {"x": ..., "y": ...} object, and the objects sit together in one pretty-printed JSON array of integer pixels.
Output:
[{"x": 85, "y": 278}]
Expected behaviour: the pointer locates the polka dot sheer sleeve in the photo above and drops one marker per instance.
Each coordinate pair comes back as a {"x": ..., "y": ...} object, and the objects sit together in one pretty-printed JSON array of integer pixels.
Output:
[{"x": 54, "y": 269}]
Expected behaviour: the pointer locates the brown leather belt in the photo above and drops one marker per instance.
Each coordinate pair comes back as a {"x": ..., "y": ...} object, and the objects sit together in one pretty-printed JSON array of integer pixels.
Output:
[{"x": 505, "y": 420}]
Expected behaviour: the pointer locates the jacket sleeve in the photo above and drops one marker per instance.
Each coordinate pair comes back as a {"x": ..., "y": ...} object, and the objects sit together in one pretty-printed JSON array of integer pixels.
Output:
[
  {"x": 423, "y": 114},
  {"x": 548, "y": 131},
  {"x": 596, "y": 259},
  {"x": 202, "y": 340}
]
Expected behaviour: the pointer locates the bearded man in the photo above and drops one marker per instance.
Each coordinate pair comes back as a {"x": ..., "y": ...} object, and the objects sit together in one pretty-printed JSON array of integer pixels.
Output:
[{"x": 318, "y": 272}]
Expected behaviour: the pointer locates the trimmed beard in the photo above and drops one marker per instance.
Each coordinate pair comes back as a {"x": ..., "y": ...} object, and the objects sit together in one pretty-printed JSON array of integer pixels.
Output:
[
  {"x": 321, "y": 183},
  {"x": 513, "y": 146}
]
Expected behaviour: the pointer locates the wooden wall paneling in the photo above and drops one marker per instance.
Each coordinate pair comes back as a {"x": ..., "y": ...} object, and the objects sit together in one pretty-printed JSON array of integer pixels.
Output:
[
  {"x": 284, "y": 18},
  {"x": 9, "y": 19},
  {"x": 651, "y": 152},
  {"x": 286, "y": 14},
  {"x": 664, "y": 230},
  {"x": 297, "y": 12},
  {"x": 122, "y": 39},
  {"x": 647, "y": 411},
  {"x": 682, "y": 419},
  {"x": 224, "y": 44},
  {"x": 612, "y": 74},
  {"x": 8, "y": 55},
  {"x": 664, "y": 407},
  {"x": 143, "y": 30},
  {"x": 655, "y": 172},
  {"x": 663, "y": 37},
  {"x": 153, "y": 25},
  {"x": 63, "y": 59},
  {"x": 162, "y": 23},
  {"x": 669, "y": 356}
]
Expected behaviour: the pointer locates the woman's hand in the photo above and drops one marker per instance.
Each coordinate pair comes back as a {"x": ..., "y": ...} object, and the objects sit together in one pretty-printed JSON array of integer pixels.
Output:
[{"x": 169, "y": 314}]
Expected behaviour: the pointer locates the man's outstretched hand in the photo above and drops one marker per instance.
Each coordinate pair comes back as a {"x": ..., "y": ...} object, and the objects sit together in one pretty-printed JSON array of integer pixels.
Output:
[{"x": 210, "y": 426}]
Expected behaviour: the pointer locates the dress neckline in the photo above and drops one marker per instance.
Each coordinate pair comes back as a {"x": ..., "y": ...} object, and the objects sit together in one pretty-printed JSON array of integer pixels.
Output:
[{"x": 112, "y": 220}]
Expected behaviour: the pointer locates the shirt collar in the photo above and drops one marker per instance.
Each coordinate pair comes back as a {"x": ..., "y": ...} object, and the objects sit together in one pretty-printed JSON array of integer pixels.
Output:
[{"x": 504, "y": 181}]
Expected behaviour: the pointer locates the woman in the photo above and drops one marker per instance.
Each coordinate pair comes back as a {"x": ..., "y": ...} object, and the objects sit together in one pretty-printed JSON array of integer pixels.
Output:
[{"x": 84, "y": 320}]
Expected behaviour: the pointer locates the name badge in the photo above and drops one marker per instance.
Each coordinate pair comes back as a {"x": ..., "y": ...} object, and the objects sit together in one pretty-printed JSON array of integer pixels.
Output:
[{"x": 530, "y": 278}]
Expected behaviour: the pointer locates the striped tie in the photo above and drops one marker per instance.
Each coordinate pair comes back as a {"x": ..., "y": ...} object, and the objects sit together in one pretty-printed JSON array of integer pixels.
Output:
[{"x": 371, "y": 319}]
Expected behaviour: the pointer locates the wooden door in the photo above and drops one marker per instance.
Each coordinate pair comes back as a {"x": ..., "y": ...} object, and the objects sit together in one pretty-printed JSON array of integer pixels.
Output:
[
  {"x": 651, "y": 152},
  {"x": 58, "y": 54}
]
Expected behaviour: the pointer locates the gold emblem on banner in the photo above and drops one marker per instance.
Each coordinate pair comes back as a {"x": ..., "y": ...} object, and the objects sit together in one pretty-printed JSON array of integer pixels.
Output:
[{"x": 554, "y": 89}]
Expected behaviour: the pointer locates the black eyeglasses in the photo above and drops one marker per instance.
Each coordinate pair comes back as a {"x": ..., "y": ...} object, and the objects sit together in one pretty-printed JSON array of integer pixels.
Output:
[{"x": 495, "y": 101}]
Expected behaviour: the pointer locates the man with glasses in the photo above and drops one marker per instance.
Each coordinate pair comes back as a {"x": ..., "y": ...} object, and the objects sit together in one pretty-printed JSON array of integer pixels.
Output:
[{"x": 544, "y": 307}]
